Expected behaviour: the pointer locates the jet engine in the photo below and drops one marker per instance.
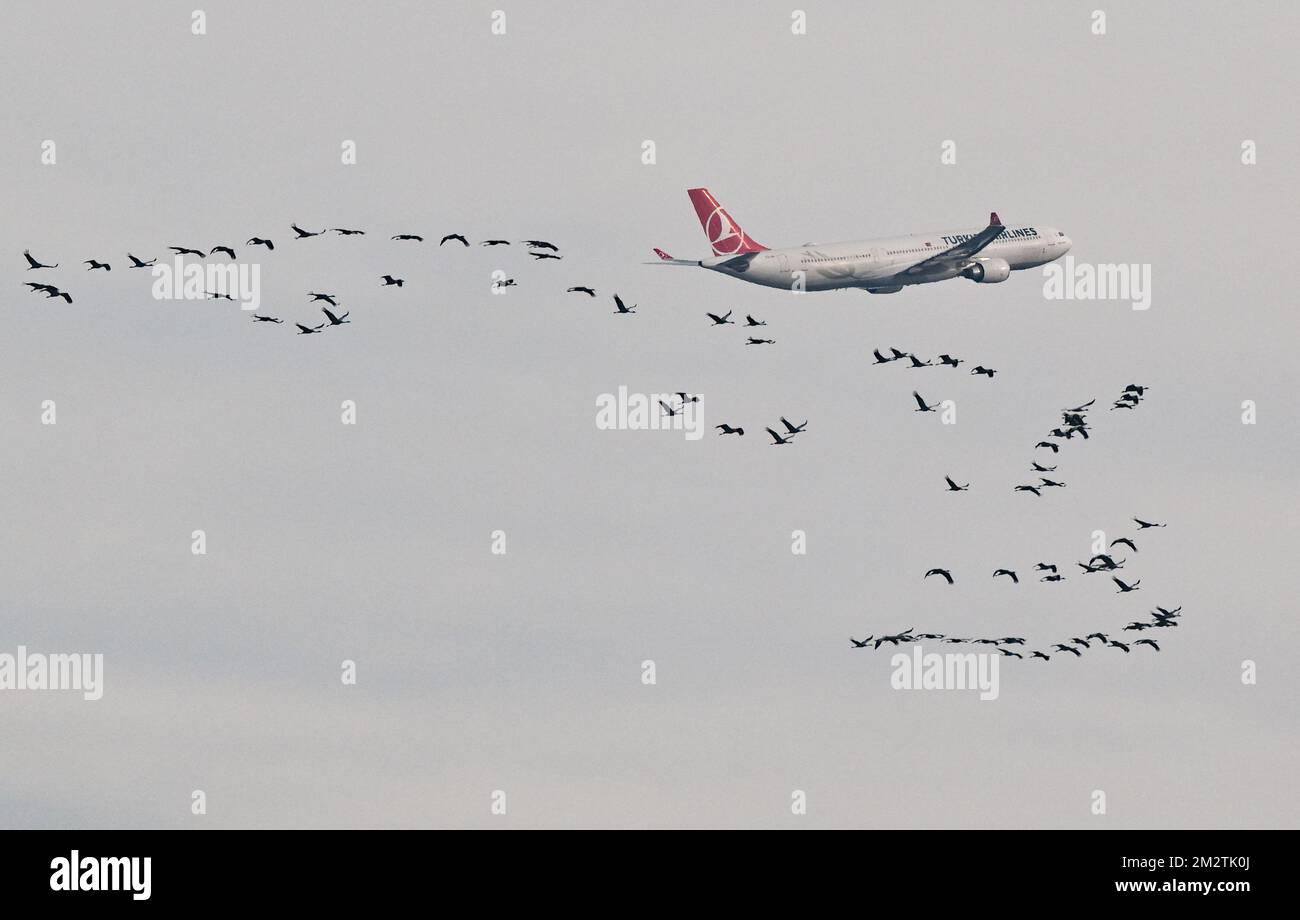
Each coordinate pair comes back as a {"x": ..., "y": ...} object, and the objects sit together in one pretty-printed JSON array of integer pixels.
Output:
[{"x": 989, "y": 271}]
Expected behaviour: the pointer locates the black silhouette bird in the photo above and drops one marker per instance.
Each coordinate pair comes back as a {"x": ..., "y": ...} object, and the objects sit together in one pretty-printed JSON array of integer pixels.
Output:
[
  {"x": 258, "y": 318},
  {"x": 32, "y": 263},
  {"x": 950, "y": 360},
  {"x": 754, "y": 341},
  {"x": 1045, "y": 567},
  {"x": 1125, "y": 588},
  {"x": 1115, "y": 643},
  {"x": 544, "y": 255},
  {"x": 880, "y": 359},
  {"x": 389, "y": 281},
  {"x": 1068, "y": 648},
  {"x": 943, "y": 572},
  {"x": 750, "y": 321},
  {"x": 581, "y": 289},
  {"x": 1084, "y": 407},
  {"x": 343, "y": 231},
  {"x": 1054, "y": 447},
  {"x": 1050, "y": 483},
  {"x": 986, "y": 371},
  {"x": 1010, "y": 654},
  {"x": 794, "y": 429},
  {"x": 863, "y": 644},
  {"x": 504, "y": 283},
  {"x": 1126, "y": 541},
  {"x": 687, "y": 398},
  {"x": 1143, "y": 525},
  {"x": 1135, "y": 388},
  {"x": 184, "y": 251},
  {"x": 1052, "y": 578},
  {"x": 1099, "y": 636},
  {"x": 336, "y": 320},
  {"x": 495, "y": 243},
  {"x": 328, "y": 298},
  {"x": 137, "y": 263},
  {"x": 778, "y": 439},
  {"x": 1083, "y": 642},
  {"x": 94, "y": 265},
  {"x": 921, "y": 404},
  {"x": 455, "y": 236},
  {"x": 721, "y": 320},
  {"x": 1042, "y": 655},
  {"x": 258, "y": 241},
  {"x": 541, "y": 244},
  {"x": 620, "y": 307},
  {"x": 41, "y": 287},
  {"x": 1013, "y": 575},
  {"x": 953, "y": 487},
  {"x": 226, "y": 249},
  {"x": 898, "y": 354},
  {"x": 1162, "y": 613},
  {"x": 1039, "y": 468},
  {"x": 1106, "y": 561},
  {"x": 668, "y": 410},
  {"x": 303, "y": 234},
  {"x": 1135, "y": 626},
  {"x": 917, "y": 362},
  {"x": 727, "y": 429},
  {"x": 1033, "y": 489},
  {"x": 308, "y": 330},
  {"x": 55, "y": 292},
  {"x": 409, "y": 236},
  {"x": 1151, "y": 642},
  {"x": 218, "y": 296}
]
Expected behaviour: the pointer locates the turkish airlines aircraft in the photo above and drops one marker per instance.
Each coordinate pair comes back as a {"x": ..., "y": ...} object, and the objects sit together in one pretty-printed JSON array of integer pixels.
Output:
[{"x": 883, "y": 266}]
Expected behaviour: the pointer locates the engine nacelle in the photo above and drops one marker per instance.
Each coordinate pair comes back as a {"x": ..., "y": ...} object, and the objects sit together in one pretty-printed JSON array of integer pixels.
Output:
[{"x": 989, "y": 271}]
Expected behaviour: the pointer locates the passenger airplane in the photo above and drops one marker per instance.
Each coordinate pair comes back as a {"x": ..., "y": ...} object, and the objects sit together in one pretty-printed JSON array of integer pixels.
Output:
[{"x": 883, "y": 266}]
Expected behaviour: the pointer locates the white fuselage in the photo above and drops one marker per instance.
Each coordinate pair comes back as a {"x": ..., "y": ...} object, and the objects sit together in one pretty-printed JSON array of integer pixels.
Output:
[{"x": 878, "y": 265}]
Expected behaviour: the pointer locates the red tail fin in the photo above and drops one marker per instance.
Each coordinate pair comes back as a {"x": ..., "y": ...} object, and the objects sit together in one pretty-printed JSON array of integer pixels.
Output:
[{"x": 725, "y": 235}]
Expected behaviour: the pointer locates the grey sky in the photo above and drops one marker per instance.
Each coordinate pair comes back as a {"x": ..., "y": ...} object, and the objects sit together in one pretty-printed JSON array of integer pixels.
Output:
[{"x": 521, "y": 672}]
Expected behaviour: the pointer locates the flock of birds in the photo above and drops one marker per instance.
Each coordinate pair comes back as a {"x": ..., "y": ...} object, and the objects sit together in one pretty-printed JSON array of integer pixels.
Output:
[
  {"x": 915, "y": 362},
  {"x": 1161, "y": 618},
  {"x": 540, "y": 250},
  {"x": 750, "y": 323}
]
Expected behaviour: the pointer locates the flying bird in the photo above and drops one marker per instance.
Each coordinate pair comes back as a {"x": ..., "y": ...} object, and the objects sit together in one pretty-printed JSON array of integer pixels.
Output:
[
  {"x": 581, "y": 289},
  {"x": 226, "y": 249},
  {"x": 1068, "y": 648},
  {"x": 953, "y": 487},
  {"x": 308, "y": 330},
  {"x": 727, "y": 429},
  {"x": 1143, "y": 525},
  {"x": 921, "y": 403},
  {"x": 1126, "y": 541},
  {"x": 184, "y": 251},
  {"x": 917, "y": 362},
  {"x": 495, "y": 243},
  {"x": 258, "y": 318},
  {"x": 863, "y": 644},
  {"x": 1045, "y": 567},
  {"x": 721, "y": 320},
  {"x": 1042, "y": 655},
  {"x": 32, "y": 263},
  {"x": 544, "y": 255},
  {"x": 136, "y": 263},
  {"x": 986, "y": 371},
  {"x": 342, "y": 231},
  {"x": 541, "y": 244},
  {"x": 794, "y": 429},
  {"x": 943, "y": 572},
  {"x": 409, "y": 236},
  {"x": 1013, "y": 575},
  {"x": 1151, "y": 642},
  {"x": 880, "y": 359},
  {"x": 620, "y": 307},
  {"x": 750, "y": 321},
  {"x": 94, "y": 265},
  {"x": 778, "y": 439},
  {"x": 389, "y": 281},
  {"x": 303, "y": 234},
  {"x": 455, "y": 236},
  {"x": 1125, "y": 588},
  {"x": 1115, "y": 643},
  {"x": 335, "y": 320},
  {"x": 1039, "y": 468},
  {"x": 258, "y": 241},
  {"x": 950, "y": 360},
  {"x": 754, "y": 341},
  {"x": 1033, "y": 489},
  {"x": 1054, "y": 447},
  {"x": 328, "y": 298}
]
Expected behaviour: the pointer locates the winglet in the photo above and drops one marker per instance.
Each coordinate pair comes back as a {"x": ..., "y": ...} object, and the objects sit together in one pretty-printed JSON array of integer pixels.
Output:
[
  {"x": 993, "y": 219},
  {"x": 663, "y": 255}
]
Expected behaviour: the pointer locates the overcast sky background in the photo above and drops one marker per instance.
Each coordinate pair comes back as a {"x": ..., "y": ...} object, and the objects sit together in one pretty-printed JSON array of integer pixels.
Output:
[{"x": 522, "y": 673}]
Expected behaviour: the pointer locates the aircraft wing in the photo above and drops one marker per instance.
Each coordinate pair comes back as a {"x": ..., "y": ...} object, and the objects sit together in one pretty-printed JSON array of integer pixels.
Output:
[
  {"x": 666, "y": 259},
  {"x": 961, "y": 253}
]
